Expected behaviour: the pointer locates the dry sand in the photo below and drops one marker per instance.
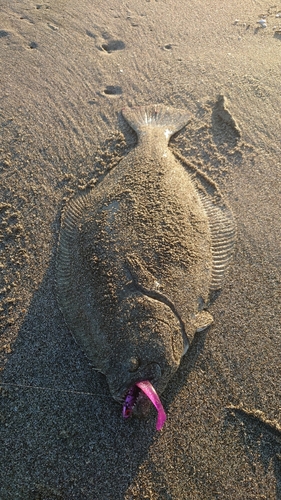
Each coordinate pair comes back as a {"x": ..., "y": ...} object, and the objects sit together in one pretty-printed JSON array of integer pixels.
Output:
[{"x": 67, "y": 69}]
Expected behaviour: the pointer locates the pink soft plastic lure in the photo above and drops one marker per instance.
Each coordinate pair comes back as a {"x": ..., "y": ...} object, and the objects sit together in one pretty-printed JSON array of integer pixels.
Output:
[{"x": 151, "y": 393}]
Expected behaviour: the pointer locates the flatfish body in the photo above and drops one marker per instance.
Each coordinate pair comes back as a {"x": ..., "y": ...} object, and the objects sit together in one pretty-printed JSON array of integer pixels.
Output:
[{"x": 138, "y": 256}]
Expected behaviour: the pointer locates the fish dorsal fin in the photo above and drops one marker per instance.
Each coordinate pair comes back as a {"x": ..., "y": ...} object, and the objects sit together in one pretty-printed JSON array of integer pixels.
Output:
[
  {"x": 220, "y": 218},
  {"x": 223, "y": 231},
  {"x": 152, "y": 117}
]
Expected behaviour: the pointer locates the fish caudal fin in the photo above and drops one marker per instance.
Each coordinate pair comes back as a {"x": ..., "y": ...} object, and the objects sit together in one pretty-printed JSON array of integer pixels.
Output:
[{"x": 145, "y": 118}]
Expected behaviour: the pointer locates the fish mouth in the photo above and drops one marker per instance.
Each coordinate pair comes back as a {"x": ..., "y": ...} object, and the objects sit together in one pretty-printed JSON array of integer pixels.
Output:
[
  {"x": 133, "y": 396},
  {"x": 139, "y": 394},
  {"x": 134, "y": 402},
  {"x": 131, "y": 400},
  {"x": 151, "y": 372}
]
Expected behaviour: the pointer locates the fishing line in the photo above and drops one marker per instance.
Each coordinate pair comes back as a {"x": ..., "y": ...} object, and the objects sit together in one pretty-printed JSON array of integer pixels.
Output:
[{"x": 23, "y": 386}]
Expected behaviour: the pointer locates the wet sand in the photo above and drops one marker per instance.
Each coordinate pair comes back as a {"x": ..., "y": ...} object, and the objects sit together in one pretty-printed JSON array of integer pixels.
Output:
[{"x": 67, "y": 70}]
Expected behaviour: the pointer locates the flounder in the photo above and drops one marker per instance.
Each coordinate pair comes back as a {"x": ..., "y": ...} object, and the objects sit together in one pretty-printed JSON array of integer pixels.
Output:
[{"x": 138, "y": 256}]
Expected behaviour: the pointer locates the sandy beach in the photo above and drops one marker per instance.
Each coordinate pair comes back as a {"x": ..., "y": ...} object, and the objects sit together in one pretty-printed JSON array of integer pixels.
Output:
[{"x": 67, "y": 70}]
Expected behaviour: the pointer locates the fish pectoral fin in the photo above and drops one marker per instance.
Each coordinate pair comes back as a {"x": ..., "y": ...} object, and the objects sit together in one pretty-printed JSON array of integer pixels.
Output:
[
  {"x": 203, "y": 320},
  {"x": 139, "y": 274}
]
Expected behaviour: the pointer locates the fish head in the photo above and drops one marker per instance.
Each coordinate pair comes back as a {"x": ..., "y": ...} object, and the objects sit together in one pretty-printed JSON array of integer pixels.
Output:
[{"x": 148, "y": 345}]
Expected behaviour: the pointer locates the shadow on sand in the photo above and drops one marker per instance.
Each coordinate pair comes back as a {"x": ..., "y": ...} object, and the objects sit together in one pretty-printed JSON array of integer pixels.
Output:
[
  {"x": 63, "y": 435},
  {"x": 261, "y": 439}
]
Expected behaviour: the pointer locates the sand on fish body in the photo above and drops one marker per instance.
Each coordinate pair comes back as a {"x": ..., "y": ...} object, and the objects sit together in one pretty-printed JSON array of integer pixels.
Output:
[{"x": 138, "y": 256}]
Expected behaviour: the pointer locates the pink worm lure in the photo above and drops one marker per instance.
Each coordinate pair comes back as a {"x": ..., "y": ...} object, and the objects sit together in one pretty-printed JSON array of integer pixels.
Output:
[{"x": 151, "y": 393}]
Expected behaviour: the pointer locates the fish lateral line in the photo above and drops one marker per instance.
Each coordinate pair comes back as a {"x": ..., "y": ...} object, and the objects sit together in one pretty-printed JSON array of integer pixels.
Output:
[{"x": 161, "y": 297}]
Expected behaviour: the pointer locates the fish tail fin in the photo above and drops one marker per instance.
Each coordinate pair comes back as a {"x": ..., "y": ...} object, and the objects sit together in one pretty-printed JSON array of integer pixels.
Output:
[{"x": 145, "y": 118}]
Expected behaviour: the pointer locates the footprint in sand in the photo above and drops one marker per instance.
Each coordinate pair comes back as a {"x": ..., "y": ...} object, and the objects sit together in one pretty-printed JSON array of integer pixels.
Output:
[
  {"x": 90, "y": 34},
  {"x": 112, "y": 91},
  {"x": 168, "y": 46},
  {"x": 42, "y": 6},
  {"x": 33, "y": 45},
  {"x": 106, "y": 43},
  {"x": 112, "y": 46},
  {"x": 4, "y": 33}
]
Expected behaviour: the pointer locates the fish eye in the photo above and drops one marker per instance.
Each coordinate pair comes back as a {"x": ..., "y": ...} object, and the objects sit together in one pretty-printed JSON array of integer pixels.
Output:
[{"x": 134, "y": 364}]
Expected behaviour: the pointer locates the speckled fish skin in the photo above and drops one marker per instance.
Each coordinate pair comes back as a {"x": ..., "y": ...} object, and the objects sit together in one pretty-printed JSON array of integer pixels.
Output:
[{"x": 135, "y": 262}]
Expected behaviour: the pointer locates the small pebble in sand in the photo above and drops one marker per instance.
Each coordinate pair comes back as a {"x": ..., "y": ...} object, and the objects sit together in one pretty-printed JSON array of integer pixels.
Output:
[{"x": 262, "y": 23}]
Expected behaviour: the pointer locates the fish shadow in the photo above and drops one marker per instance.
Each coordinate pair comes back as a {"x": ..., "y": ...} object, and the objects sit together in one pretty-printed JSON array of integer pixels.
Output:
[
  {"x": 186, "y": 367},
  {"x": 62, "y": 434},
  {"x": 262, "y": 442}
]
